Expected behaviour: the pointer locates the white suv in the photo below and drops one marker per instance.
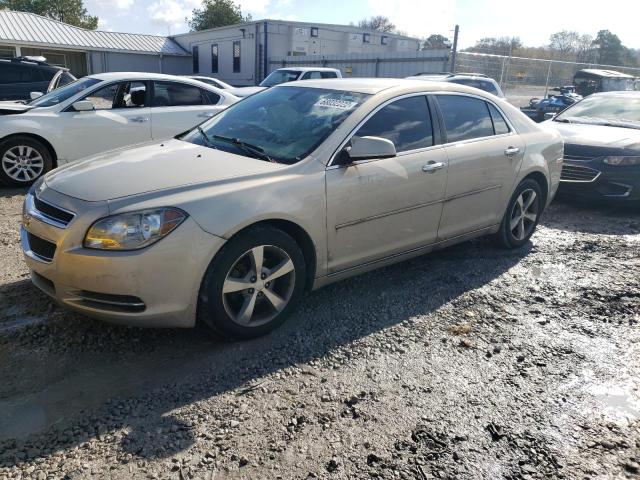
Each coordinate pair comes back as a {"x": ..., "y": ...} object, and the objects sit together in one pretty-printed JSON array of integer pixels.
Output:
[{"x": 285, "y": 75}]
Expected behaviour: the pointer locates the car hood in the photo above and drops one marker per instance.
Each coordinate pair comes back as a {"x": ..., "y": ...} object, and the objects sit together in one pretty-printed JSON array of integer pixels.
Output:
[
  {"x": 598, "y": 135},
  {"x": 12, "y": 108},
  {"x": 246, "y": 91},
  {"x": 150, "y": 167}
]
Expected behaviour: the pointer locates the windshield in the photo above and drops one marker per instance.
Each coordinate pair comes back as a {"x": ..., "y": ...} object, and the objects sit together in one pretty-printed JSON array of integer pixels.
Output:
[
  {"x": 59, "y": 95},
  {"x": 280, "y": 76},
  {"x": 598, "y": 109},
  {"x": 283, "y": 124},
  {"x": 481, "y": 84}
]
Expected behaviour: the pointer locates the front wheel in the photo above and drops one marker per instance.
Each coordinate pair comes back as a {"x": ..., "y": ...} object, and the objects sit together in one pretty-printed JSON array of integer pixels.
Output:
[
  {"x": 522, "y": 215},
  {"x": 253, "y": 284},
  {"x": 23, "y": 160}
]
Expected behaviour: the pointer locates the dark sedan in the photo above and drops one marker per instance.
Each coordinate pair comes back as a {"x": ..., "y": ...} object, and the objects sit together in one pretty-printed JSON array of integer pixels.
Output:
[{"x": 602, "y": 148}]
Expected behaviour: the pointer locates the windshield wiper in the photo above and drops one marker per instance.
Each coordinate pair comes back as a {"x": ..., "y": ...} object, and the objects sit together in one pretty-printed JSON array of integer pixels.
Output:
[
  {"x": 206, "y": 137},
  {"x": 247, "y": 147},
  {"x": 562, "y": 120}
]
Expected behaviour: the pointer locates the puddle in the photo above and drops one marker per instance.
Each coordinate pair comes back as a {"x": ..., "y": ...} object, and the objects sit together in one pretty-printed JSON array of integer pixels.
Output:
[{"x": 618, "y": 401}]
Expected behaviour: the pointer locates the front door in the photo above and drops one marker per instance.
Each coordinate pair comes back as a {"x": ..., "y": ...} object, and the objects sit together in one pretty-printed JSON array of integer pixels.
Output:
[
  {"x": 484, "y": 159},
  {"x": 121, "y": 117},
  {"x": 380, "y": 207},
  {"x": 177, "y": 107}
]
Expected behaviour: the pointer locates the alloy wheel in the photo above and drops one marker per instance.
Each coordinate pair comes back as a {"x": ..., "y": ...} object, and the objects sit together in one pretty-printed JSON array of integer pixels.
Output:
[
  {"x": 22, "y": 163},
  {"x": 524, "y": 214},
  {"x": 258, "y": 286}
]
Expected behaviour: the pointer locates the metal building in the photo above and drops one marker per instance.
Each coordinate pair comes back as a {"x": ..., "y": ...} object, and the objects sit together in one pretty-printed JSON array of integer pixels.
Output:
[
  {"x": 244, "y": 54},
  {"x": 88, "y": 51}
]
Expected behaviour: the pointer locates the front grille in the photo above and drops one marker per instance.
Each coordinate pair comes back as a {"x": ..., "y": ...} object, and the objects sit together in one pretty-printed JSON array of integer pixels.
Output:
[
  {"x": 106, "y": 301},
  {"x": 63, "y": 217},
  {"x": 576, "y": 173},
  {"x": 40, "y": 247}
]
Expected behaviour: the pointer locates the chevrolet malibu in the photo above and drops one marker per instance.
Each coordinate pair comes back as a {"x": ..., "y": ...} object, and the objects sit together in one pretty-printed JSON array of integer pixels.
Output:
[{"x": 291, "y": 189}]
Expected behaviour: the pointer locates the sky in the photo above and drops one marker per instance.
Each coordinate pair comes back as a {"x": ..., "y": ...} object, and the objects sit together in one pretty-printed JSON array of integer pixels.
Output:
[{"x": 532, "y": 21}]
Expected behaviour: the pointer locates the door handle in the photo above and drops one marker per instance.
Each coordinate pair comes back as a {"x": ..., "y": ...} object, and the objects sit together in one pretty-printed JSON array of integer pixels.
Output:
[
  {"x": 432, "y": 167},
  {"x": 206, "y": 115},
  {"x": 511, "y": 151},
  {"x": 139, "y": 119}
]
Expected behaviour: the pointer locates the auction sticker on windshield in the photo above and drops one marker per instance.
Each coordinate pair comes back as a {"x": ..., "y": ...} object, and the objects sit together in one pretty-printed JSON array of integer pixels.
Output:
[{"x": 335, "y": 103}]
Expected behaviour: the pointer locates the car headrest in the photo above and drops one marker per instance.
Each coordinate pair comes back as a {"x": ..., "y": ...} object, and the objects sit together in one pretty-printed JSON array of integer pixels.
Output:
[{"x": 137, "y": 97}]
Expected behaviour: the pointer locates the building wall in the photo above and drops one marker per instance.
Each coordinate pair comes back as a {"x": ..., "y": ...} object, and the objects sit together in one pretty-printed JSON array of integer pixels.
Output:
[
  {"x": 100, "y": 62},
  {"x": 284, "y": 39}
]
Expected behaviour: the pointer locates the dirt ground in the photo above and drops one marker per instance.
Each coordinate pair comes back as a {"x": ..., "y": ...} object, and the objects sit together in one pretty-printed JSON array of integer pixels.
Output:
[{"x": 472, "y": 362}]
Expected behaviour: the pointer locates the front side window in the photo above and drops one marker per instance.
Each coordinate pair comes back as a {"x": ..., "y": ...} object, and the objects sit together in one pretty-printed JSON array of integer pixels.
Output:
[
  {"x": 65, "y": 79},
  {"x": 64, "y": 93},
  {"x": 465, "y": 118},
  {"x": 311, "y": 76},
  {"x": 196, "y": 59},
  {"x": 280, "y": 76},
  {"x": 214, "y": 58},
  {"x": 236, "y": 57},
  {"x": 119, "y": 95},
  {"x": 170, "y": 94},
  {"x": 284, "y": 123},
  {"x": 406, "y": 122}
]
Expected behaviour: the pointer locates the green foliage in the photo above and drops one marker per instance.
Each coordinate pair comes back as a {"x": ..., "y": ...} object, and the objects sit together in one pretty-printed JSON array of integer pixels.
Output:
[
  {"x": 67, "y": 11},
  {"x": 436, "y": 41},
  {"x": 609, "y": 47},
  {"x": 217, "y": 13}
]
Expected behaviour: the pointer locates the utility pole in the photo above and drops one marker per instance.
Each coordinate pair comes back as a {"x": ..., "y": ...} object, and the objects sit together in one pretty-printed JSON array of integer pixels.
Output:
[{"x": 454, "y": 49}]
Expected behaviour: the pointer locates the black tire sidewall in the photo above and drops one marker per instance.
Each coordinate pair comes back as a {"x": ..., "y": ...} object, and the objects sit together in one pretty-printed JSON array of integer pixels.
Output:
[
  {"x": 211, "y": 310},
  {"x": 505, "y": 236},
  {"x": 30, "y": 142}
]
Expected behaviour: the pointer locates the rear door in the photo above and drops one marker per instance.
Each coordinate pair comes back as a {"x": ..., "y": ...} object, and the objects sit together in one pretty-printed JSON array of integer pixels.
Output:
[
  {"x": 121, "y": 117},
  {"x": 380, "y": 207},
  {"x": 177, "y": 107},
  {"x": 485, "y": 155}
]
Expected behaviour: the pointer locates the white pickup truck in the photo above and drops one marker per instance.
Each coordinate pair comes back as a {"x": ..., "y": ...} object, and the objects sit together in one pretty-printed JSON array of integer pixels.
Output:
[{"x": 284, "y": 75}]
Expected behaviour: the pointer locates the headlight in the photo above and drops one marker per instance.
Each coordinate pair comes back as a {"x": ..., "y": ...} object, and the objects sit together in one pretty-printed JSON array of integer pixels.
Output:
[
  {"x": 622, "y": 161},
  {"x": 133, "y": 230}
]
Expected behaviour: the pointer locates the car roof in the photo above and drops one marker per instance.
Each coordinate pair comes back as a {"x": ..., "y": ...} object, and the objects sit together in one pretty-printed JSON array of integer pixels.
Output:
[
  {"x": 307, "y": 69},
  {"x": 25, "y": 62},
  {"x": 603, "y": 73},
  {"x": 373, "y": 86},
  {"x": 110, "y": 76}
]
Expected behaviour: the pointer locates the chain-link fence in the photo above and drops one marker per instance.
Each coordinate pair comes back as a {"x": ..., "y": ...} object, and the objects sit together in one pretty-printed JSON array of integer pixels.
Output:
[{"x": 524, "y": 78}]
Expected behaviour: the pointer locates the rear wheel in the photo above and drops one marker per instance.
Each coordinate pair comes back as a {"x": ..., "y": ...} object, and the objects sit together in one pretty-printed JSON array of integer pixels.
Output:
[
  {"x": 253, "y": 284},
  {"x": 522, "y": 215},
  {"x": 23, "y": 160}
]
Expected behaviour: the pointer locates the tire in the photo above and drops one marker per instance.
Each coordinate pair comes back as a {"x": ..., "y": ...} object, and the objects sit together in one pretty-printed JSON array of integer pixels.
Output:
[
  {"x": 514, "y": 234},
  {"x": 233, "y": 269},
  {"x": 23, "y": 160}
]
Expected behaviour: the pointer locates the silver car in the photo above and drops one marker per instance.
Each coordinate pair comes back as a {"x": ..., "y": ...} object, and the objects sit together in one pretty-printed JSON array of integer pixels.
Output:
[{"x": 291, "y": 189}]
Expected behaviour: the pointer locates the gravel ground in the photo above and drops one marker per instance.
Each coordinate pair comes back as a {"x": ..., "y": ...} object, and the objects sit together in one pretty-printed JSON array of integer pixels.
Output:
[{"x": 471, "y": 362}]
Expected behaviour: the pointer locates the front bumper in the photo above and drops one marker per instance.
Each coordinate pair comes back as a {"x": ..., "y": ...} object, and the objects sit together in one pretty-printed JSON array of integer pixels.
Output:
[
  {"x": 595, "y": 180},
  {"x": 153, "y": 287}
]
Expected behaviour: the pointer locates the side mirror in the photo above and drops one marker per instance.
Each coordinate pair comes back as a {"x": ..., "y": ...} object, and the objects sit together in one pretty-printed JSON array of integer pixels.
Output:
[
  {"x": 84, "y": 106},
  {"x": 34, "y": 95},
  {"x": 364, "y": 148},
  {"x": 549, "y": 115}
]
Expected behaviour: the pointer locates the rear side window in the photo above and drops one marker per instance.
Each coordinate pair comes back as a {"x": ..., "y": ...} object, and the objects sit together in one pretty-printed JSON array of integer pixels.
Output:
[
  {"x": 168, "y": 94},
  {"x": 499, "y": 124},
  {"x": 406, "y": 122},
  {"x": 485, "y": 85},
  {"x": 465, "y": 118},
  {"x": 328, "y": 74},
  {"x": 19, "y": 74}
]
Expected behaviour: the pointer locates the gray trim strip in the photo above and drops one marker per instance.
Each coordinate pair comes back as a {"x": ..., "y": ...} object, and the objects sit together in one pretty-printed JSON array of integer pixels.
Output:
[
  {"x": 407, "y": 252},
  {"x": 414, "y": 207},
  {"x": 387, "y": 214}
]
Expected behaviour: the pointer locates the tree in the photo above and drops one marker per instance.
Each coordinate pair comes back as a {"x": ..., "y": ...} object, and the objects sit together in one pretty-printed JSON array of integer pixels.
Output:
[
  {"x": 67, "y": 11},
  {"x": 565, "y": 43},
  {"x": 497, "y": 46},
  {"x": 379, "y": 23},
  {"x": 609, "y": 47},
  {"x": 436, "y": 41},
  {"x": 217, "y": 13}
]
